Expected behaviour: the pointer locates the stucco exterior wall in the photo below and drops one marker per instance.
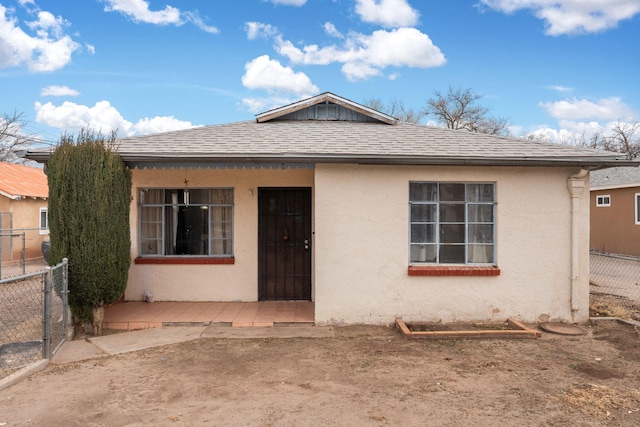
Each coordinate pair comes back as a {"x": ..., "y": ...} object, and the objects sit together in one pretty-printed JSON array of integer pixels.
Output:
[
  {"x": 360, "y": 245},
  {"x": 236, "y": 282},
  {"x": 613, "y": 228},
  {"x": 361, "y": 248},
  {"x": 26, "y": 219}
]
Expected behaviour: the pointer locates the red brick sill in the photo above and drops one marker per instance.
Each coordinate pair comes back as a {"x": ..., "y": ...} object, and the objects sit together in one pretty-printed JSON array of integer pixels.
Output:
[
  {"x": 184, "y": 260},
  {"x": 459, "y": 270}
]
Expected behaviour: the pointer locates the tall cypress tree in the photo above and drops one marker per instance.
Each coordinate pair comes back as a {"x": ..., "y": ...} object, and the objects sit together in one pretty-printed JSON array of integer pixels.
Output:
[{"x": 89, "y": 199}]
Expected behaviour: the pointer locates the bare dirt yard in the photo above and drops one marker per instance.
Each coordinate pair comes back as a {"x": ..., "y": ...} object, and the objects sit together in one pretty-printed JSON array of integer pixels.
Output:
[{"x": 364, "y": 376}]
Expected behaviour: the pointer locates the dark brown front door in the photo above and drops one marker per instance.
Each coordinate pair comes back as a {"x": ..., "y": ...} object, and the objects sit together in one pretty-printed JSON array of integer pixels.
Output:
[{"x": 284, "y": 260}]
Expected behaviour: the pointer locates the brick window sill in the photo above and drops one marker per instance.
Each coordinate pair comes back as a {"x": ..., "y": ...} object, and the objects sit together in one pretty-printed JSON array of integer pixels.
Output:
[
  {"x": 459, "y": 270},
  {"x": 184, "y": 260}
]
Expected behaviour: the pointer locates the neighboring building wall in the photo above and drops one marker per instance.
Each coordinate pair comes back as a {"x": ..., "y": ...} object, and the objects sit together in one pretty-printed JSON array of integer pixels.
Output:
[
  {"x": 236, "y": 282},
  {"x": 361, "y": 248},
  {"x": 26, "y": 215},
  {"x": 614, "y": 228}
]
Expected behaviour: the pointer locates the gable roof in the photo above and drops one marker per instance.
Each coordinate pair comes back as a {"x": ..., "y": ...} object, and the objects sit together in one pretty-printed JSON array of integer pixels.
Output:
[
  {"x": 305, "y": 133},
  {"x": 19, "y": 181},
  {"x": 619, "y": 177}
]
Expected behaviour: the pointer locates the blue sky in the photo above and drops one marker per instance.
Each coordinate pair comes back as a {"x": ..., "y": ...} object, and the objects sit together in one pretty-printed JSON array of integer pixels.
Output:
[{"x": 555, "y": 67}]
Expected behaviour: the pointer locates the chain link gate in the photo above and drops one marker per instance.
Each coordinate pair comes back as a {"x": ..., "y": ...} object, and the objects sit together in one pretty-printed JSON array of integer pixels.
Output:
[{"x": 34, "y": 316}]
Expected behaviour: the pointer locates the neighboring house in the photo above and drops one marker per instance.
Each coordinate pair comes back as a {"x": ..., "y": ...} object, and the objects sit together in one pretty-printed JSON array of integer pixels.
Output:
[
  {"x": 23, "y": 211},
  {"x": 371, "y": 219},
  {"x": 615, "y": 211}
]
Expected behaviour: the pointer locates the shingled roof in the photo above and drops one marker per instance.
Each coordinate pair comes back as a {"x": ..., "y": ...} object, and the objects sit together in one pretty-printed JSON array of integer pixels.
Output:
[
  {"x": 19, "y": 182},
  {"x": 309, "y": 132},
  {"x": 620, "y": 177}
]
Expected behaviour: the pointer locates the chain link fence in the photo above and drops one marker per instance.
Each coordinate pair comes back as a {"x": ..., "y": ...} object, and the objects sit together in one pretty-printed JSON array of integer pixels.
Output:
[
  {"x": 614, "y": 286},
  {"x": 22, "y": 251},
  {"x": 34, "y": 316}
]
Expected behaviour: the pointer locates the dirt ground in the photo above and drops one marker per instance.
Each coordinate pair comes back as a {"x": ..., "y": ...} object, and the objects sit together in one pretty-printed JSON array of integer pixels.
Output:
[{"x": 364, "y": 376}]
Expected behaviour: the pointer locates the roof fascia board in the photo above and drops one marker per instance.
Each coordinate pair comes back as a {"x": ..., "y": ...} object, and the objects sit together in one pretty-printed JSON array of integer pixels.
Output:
[
  {"x": 590, "y": 164},
  {"x": 324, "y": 97}
]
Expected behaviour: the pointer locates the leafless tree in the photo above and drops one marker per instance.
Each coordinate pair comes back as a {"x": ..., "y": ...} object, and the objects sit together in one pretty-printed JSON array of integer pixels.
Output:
[
  {"x": 624, "y": 140},
  {"x": 396, "y": 109},
  {"x": 459, "y": 109},
  {"x": 12, "y": 139}
]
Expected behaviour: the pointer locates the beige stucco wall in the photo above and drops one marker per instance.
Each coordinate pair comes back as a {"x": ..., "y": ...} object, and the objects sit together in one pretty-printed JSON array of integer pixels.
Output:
[
  {"x": 26, "y": 219},
  {"x": 237, "y": 282},
  {"x": 361, "y": 249}
]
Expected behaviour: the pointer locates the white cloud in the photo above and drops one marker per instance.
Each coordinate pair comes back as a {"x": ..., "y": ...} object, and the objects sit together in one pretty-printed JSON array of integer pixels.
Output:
[
  {"x": 138, "y": 11},
  {"x": 577, "y": 109},
  {"x": 559, "y": 88},
  {"x": 332, "y": 31},
  {"x": 388, "y": 13},
  {"x": 91, "y": 49},
  {"x": 257, "y": 30},
  {"x": 268, "y": 74},
  {"x": 367, "y": 55},
  {"x": 103, "y": 117},
  {"x": 259, "y": 105},
  {"x": 289, "y": 2},
  {"x": 572, "y": 16},
  {"x": 48, "y": 49},
  {"x": 58, "y": 91}
]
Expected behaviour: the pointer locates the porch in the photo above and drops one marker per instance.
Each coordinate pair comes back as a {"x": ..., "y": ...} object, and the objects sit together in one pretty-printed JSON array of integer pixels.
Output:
[{"x": 142, "y": 315}]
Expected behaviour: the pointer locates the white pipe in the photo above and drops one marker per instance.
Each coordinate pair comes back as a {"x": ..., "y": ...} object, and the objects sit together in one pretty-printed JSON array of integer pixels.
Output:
[{"x": 576, "y": 183}]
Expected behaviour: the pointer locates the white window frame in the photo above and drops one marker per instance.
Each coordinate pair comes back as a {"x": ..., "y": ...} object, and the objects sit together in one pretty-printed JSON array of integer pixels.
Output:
[
  {"x": 603, "y": 200},
  {"x": 467, "y": 222},
  {"x": 637, "y": 200},
  {"x": 42, "y": 230},
  {"x": 183, "y": 202}
]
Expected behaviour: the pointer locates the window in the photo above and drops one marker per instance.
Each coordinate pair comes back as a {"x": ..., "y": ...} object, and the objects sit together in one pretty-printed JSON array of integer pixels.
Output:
[
  {"x": 452, "y": 223},
  {"x": 44, "y": 221},
  {"x": 603, "y": 201},
  {"x": 196, "y": 222},
  {"x": 637, "y": 204}
]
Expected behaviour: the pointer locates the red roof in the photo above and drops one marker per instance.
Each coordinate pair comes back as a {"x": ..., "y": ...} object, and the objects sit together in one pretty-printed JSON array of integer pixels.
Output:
[{"x": 17, "y": 181}]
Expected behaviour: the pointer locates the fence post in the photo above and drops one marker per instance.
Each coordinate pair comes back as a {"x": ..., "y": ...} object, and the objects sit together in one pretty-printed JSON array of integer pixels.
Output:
[
  {"x": 65, "y": 294},
  {"x": 46, "y": 321},
  {"x": 23, "y": 255}
]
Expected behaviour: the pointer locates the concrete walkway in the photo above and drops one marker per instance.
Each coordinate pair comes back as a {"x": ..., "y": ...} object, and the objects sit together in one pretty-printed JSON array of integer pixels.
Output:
[{"x": 93, "y": 347}]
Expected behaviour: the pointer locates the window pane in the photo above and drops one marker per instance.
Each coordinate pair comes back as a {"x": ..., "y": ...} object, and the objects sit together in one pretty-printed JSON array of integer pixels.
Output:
[
  {"x": 423, "y": 191},
  {"x": 198, "y": 197},
  {"x": 481, "y": 254},
  {"x": 480, "y": 233},
  {"x": 451, "y": 192},
  {"x": 423, "y": 253},
  {"x": 192, "y": 231},
  {"x": 480, "y": 193},
  {"x": 423, "y": 213},
  {"x": 450, "y": 212},
  {"x": 452, "y": 254},
  {"x": 423, "y": 233},
  {"x": 151, "y": 196},
  {"x": 43, "y": 218},
  {"x": 452, "y": 233},
  {"x": 480, "y": 213},
  {"x": 221, "y": 196}
]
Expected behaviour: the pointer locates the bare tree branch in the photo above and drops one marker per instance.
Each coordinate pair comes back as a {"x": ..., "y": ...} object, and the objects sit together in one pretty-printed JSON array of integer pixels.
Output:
[
  {"x": 458, "y": 109},
  {"x": 12, "y": 140}
]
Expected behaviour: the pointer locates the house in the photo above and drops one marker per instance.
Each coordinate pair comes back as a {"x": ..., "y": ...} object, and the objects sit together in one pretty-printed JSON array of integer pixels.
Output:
[
  {"x": 615, "y": 211},
  {"x": 371, "y": 219},
  {"x": 23, "y": 211}
]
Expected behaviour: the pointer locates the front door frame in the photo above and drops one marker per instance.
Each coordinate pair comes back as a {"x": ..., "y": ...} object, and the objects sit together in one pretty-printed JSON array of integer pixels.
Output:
[{"x": 284, "y": 267}]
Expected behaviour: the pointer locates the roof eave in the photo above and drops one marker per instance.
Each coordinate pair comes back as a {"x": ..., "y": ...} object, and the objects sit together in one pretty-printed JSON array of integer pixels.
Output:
[{"x": 583, "y": 162}]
